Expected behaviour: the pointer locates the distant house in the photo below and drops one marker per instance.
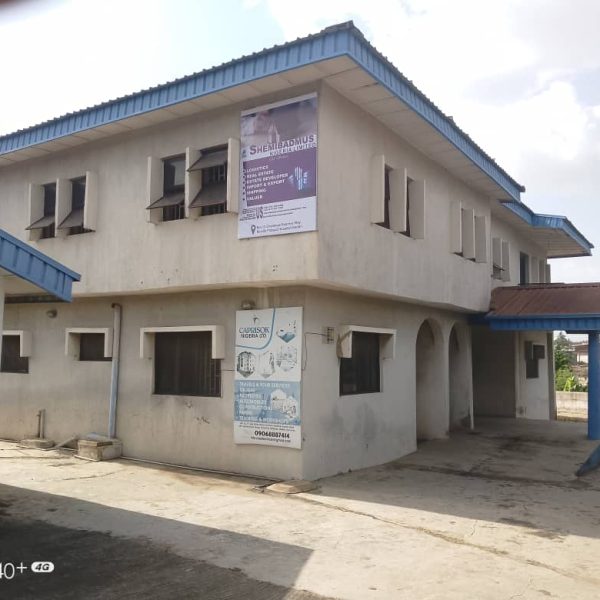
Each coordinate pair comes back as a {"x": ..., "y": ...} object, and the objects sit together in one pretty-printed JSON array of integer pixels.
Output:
[{"x": 581, "y": 351}]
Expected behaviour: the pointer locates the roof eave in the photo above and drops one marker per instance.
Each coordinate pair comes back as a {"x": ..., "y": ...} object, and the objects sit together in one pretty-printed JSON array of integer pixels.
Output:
[
  {"x": 24, "y": 261},
  {"x": 336, "y": 41},
  {"x": 551, "y": 222}
]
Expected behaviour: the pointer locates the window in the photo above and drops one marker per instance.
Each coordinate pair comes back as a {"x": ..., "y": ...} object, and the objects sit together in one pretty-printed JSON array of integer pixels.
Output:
[
  {"x": 91, "y": 347},
  {"x": 523, "y": 268},
  {"x": 183, "y": 364},
  {"x": 44, "y": 226},
  {"x": 361, "y": 373},
  {"x": 208, "y": 174},
  {"x": 73, "y": 222},
  {"x": 386, "y": 200},
  {"x": 173, "y": 207},
  {"x": 11, "y": 360},
  {"x": 49, "y": 211},
  {"x": 533, "y": 354}
]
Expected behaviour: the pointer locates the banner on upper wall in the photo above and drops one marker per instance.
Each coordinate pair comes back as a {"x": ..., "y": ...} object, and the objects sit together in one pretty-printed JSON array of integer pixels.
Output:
[
  {"x": 279, "y": 168},
  {"x": 268, "y": 373}
]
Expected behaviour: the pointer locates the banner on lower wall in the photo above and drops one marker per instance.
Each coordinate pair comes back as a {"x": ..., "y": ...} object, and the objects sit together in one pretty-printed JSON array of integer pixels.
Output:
[
  {"x": 279, "y": 168},
  {"x": 268, "y": 374}
]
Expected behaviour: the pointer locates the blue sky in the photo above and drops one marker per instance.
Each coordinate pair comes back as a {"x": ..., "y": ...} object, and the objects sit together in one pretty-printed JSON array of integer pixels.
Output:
[{"x": 522, "y": 77}]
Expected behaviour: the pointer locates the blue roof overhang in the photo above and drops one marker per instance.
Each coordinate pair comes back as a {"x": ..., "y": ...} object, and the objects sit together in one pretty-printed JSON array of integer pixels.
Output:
[
  {"x": 572, "y": 323},
  {"x": 556, "y": 234},
  {"x": 410, "y": 113},
  {"x": 27, "y": 263}
]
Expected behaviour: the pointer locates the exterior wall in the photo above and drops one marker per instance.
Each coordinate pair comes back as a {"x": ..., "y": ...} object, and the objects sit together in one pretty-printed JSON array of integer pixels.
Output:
[
  {"x": 518, "y": 244},
  {"x": 353, "y": 252},
  {"x": 126, "y": 254},
  {"x": 533, "y": 395},
  {"x": 355, "y": 431},
  {"x": 494, "y": 373},
  {"x": 339, "y": 433}
]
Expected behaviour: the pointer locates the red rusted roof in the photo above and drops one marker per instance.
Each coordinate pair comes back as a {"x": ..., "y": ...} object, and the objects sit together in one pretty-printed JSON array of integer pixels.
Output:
[{"x": 546, "y": 299}]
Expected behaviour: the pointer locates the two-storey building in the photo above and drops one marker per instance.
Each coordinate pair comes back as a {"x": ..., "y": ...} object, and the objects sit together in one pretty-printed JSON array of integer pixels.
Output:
[{"x": 279, "y": 260}]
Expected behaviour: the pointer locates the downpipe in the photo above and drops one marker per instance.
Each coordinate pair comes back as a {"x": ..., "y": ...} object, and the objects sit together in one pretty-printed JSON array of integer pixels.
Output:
[{"x": 114, "y": 373}]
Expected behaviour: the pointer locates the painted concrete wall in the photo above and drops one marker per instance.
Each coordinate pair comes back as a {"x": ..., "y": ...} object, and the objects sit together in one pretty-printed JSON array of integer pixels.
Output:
[
  {"x": 494, "y": 372},
  {"x": 353, "y": 252},
  {"x": 533, "y": 395},
  {"x": 339, "y": 433},
  {"x": 126, "y": 254},
  {"x": 518, "y": 244}
]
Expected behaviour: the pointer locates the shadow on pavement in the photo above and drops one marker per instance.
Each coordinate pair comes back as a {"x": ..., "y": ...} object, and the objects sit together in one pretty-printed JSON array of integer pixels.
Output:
[{"x": 96, "y": 564}]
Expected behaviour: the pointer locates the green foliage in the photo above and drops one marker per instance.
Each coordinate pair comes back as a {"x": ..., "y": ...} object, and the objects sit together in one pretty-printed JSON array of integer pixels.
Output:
[
  {"x": 564, "y": 357},
  {"x": 567, "y": 381}
]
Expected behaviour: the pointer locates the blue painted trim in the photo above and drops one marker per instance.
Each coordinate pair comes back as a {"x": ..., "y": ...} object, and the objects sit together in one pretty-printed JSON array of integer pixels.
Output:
[
  {"x": 585, "y": 323},
  {"x": 557, "y": 222},
  {"x": 594, "y": 386},
  {"x": 26, "y": 262},
  {"x": 336, "y": 41}
]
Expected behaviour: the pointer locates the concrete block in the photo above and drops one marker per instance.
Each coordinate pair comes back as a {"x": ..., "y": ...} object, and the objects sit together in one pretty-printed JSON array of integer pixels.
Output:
[
  {"x": 97, "y": 450},
  {"x": 41, "y": 443},
  {"x": 292, "y": 487}
]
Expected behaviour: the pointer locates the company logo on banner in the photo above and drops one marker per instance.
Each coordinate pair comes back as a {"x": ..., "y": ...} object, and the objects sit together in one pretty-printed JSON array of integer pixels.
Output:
[
  {"x": 279, "y": 168},
  {"x": 268, "y": 373}
]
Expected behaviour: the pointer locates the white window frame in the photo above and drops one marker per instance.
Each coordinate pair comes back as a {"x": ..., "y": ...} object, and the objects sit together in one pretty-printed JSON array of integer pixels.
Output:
[
  {"x": 217, "y": 338},
  {"x": 387, "y": 340},
  {"x": 25, "y": 341},
  {"x": 72, "y": 340},
  {"x": 193, "y": 181}
]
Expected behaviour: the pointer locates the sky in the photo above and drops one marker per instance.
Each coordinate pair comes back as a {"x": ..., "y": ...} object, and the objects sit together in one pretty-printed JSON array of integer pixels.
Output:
[{"x": 522, "y": 77}]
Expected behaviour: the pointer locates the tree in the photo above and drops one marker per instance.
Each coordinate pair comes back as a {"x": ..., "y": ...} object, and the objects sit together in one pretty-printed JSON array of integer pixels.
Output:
[{"x": 564, "y": 357}]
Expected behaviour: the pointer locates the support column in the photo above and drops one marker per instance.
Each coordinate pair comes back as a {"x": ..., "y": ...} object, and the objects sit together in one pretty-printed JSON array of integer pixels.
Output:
[{"x": 594, "y": 386}]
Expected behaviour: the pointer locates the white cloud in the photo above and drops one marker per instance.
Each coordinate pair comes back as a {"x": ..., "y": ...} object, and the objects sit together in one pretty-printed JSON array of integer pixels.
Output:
[{"x": 512, "y": 74}]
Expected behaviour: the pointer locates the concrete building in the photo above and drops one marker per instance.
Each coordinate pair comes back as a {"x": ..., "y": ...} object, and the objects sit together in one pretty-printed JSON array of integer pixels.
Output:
[{"x": 150, "y": 197}]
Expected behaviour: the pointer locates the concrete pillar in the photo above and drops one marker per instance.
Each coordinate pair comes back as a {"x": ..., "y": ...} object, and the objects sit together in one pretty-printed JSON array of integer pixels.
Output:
[{"x": 594, "y": 386}]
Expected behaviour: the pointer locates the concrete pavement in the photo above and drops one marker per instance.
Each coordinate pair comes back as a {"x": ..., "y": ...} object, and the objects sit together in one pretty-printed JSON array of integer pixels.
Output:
[{"x": 493, "y": 514}]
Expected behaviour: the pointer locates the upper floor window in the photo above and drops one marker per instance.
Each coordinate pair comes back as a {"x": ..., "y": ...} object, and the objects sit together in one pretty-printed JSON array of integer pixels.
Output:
[
  {"x": 210, "y": 174},
  {"x": 194, "y": 184},
  {"x": 397, "y": 201},
  {"x": 523, "y": 268},
  {"x": 44, "y": 227},
  {"x": 386, "y": 199},
  {"x": 173, "y": 206},
  {"x": 73, "y": 222}
]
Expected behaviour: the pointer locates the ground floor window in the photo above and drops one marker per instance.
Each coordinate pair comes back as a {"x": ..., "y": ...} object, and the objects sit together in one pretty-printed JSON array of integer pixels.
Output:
[
  {"x": 361, "y": 374},
  {"x": 11, "y": 360},
  {"x": 183, "y": 364},
  {"x": 91, "y": 347}
]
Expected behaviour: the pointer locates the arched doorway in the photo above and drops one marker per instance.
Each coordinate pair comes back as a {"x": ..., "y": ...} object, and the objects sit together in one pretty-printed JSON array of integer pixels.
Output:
[
  {"x": 432, "y": 419},
  {"x": 460, "y": 383}
]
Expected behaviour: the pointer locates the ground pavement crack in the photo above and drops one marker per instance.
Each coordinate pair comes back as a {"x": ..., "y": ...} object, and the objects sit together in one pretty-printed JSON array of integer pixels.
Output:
[{"x": 451, "y": 539}]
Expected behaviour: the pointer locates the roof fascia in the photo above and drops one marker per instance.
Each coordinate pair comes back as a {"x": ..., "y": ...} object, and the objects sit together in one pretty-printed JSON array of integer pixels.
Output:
[
  {"x": 336, "y": 41},
  {"x": 557, "y": 222}
]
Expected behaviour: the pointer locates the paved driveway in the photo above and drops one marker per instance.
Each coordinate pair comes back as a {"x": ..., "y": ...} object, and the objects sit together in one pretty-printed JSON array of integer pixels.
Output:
[{"x": 493, "y": 514}]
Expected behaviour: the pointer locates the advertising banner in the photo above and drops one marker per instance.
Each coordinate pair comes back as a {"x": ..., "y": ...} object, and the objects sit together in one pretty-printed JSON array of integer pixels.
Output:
[
  {"x": 279, "y": 168},
  {"x": 268, "y": 373}
]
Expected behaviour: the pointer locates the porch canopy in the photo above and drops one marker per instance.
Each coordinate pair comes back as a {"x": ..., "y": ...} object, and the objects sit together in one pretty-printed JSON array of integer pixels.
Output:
[
  {"x": 25, "y": 270},
  {"x": 571, "y": 307}
]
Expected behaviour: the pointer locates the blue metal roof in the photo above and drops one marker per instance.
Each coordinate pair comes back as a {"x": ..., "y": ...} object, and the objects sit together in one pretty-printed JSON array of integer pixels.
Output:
[
  {"x": 555, "y": 222},
  {"x": 336, "y": 41},
  {"x": 26, "y": 262},
  {"x": 546, "y": 323}
]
